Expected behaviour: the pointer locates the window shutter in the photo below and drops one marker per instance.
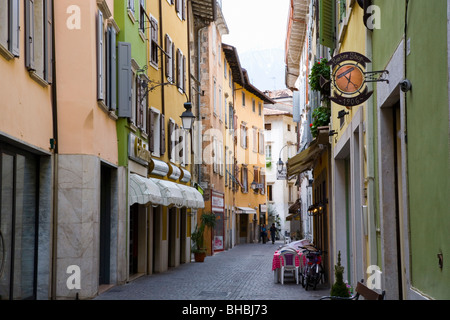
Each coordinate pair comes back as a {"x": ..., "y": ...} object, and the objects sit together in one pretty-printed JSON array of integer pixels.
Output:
[
  {"x": 183, "y": 85},
  {"x": 151, "y": 134},
  {"x": 125, "y": 79},
  {"x": 15, "y": 27},
  {"x": 179, "y": 74},
  {"x": 176, "y": 141},
  {"x": 174, "y": 58},
  {"x": 162, "y": 144},
  {"x": 326, "y": 21},
  {"x": 171, "y": 126},
  {"x": 140, "y": 104},
  {"x": 49, "y": 41},
  {"x": 168, "y": 51},
  {"x": 29, "y": 35},
  {"x": 100, "y": 48},
  {"x": 112, "y": 70},
  {"x": 183, "y": 9}
]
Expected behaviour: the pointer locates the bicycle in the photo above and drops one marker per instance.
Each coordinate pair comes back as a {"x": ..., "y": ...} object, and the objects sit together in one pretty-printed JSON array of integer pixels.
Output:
[{"x": 312, "y": 271}]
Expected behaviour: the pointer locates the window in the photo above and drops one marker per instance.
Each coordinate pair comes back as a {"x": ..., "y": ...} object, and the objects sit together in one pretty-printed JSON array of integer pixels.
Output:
[
  {"x": 169, "y": 59},
  {"x": 38, "y": 31},
  {"x": 255, "y": 139},
  {"x": 270, "y": 192},
  {"x": 225, "y": 108},
  {"x": 142, "y": 15},
  {"x": 10, "y": 28},
  {"x": 253, "y": 105},
  {"x": 244, "y": 136},
  {"x": 156, "y": 132},
  {"x": 230, "y": 79},
  {"x": 141, "y": 104},
  {"x": 153, "y": 43},
  {"x": 106, "y": 64},
  {"x": 268, "y": 153},
  {"x": 243, "y": 99},
  {"x": 231, "y": 116},
  {"x": 131, "y": 5},
  {"x": 215, "y": 97},
  {"x": 244, "y": 178},
  {"x": 225, "y": 68},
  {"x": 220, "y": 103},
  {"x": 262, "y": 180},
  {"x": 259, "y": 108},
  {"x": 181, "y": 71},
  {"x": 261, "y": 142},
  {"x": 180, "y": 8},
  {"x": 268, "y": 126},
  {"x": 288, "y": 127}
]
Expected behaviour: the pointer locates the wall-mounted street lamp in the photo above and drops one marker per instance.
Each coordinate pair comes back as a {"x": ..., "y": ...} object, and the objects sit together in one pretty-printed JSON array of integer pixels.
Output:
[
  {"x": 280, "y": 163},
  {"x": 187, "y": 117},
  {"x": 342, "y": 114}
]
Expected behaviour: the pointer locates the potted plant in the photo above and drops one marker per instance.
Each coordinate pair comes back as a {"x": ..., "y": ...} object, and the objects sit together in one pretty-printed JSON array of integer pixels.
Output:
[
  {"x": 321, "y": 117},
  {"x": 320, "y": 76},
  {"x": 339, "y": 288},
  {"x": 197, "y": 237}
]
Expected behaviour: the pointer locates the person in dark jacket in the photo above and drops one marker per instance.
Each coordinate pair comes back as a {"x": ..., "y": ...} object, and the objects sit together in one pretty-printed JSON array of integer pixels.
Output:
[{"x": 273, "y": 231}]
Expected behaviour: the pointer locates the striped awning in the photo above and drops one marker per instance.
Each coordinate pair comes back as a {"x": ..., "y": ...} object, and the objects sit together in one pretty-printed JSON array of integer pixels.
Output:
[
  {"x": 193, "y": 197},
  {"x": 143, "y": 191},
  {"x": 245, "y": 210},
  {"x": 171, "y": 193}
]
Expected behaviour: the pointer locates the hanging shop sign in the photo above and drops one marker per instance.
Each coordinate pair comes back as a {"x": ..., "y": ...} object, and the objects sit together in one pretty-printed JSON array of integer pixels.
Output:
[
  {"x": 349, "y": 79},
  {"x": 138, "y": 150}
]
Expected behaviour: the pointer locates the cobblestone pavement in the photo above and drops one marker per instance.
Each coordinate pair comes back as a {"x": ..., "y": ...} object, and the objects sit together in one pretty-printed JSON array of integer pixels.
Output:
[{"x": 241, "y": 273}]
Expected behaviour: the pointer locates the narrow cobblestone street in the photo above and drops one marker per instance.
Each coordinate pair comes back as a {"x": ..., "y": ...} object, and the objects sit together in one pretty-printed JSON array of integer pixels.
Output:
[{"x": 242, "y": 273}]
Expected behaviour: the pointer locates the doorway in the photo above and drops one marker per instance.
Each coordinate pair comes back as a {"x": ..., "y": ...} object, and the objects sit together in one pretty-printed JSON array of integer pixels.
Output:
[
  {"x": 19, "y": 218},
  {"x": 105, "y": 225}
]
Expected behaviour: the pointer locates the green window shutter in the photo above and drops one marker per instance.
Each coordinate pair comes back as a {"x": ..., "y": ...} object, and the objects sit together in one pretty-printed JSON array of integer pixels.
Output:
[{"x": 326, "y": 20}]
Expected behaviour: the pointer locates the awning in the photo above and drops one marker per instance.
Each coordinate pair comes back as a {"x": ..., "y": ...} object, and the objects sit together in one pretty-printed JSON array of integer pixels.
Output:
[
  {"x": 306, "y": 159},
  {"x": 245, "y": 210},
  {"x": 295, "y": 207},
  {"x": 143, "y": 191},
  {"x": 170, "y": 192},
  {"x": 193, "y": 197}
]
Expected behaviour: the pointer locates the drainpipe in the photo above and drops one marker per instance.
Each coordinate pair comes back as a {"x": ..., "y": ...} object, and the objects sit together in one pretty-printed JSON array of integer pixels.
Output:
[
  {"x": 54, "y": 248},
  {"x": 372, "y": 222}
]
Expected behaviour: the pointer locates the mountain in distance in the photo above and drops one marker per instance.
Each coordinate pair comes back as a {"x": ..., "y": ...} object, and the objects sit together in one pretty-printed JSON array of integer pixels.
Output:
[{"x": 265, "y": 68}]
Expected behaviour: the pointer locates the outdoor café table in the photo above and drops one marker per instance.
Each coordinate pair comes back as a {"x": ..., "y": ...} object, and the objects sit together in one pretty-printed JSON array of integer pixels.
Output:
[{"x": 277, "y": 262}]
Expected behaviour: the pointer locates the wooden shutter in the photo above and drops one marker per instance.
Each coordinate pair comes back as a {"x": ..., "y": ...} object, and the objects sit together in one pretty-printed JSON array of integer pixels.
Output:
[
  {"x": 162, "y": 143},
  {"x": 125, "y": 80},
  {"x": 29, "y": 35},
  {"x": 168, "y": 56},
  {"x": 179, "y": 74},
  {"x": 100, "y": 48},
  {"x": 140, "y": 104},
  {"x": 174, "y": 58},
  {"x": 326, "y": 21},
  {"x": 183, "y": 85},
  {"x": 112, "y": 70},
  {"x": 183, "y": 9},
  {"x": 14, "y": 32},
  {"x": 151, "y": 133},
  {"x": 48, "y": 40},
  {"x": 170, "y": 139}
]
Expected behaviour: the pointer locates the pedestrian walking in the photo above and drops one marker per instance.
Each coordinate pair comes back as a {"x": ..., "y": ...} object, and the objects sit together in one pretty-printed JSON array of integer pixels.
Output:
[
  {"x": 263, "y": 233},
  {"x": 273, "y": 232}
]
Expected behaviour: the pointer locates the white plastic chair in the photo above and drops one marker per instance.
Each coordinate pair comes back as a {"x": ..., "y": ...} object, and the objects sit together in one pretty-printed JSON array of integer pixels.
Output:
[{"x": 288, "y": 263}]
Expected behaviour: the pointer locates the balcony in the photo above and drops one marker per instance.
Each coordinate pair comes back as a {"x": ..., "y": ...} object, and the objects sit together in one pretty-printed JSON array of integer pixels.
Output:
[{"x": 205, "y": 9}]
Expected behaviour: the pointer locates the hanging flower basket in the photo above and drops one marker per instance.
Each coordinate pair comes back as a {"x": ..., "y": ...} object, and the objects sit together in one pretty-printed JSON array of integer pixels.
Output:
[{"x": 318, "y": 71}]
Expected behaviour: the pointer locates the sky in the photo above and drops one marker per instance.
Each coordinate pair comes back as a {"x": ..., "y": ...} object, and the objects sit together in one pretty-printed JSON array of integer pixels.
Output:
[{"x": 257, "y": 28}]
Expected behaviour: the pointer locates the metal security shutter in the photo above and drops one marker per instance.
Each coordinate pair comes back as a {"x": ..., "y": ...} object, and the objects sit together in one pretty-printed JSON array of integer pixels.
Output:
[
  {"x": 125, "y": 79},
  {"x": 326, "y": 23}
]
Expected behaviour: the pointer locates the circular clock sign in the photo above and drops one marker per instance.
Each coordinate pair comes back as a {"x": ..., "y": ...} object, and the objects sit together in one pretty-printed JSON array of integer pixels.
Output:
[{"x": 348, "y": 79}]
